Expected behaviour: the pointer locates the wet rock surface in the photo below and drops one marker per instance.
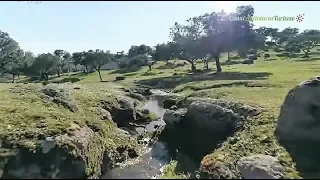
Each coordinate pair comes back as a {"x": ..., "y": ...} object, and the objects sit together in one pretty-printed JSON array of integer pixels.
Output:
[{"x": 298, "y": 127}]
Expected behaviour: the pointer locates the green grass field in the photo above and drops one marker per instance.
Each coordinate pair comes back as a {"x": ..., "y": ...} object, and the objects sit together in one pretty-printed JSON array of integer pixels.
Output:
[{"x": 264, "y": 83}]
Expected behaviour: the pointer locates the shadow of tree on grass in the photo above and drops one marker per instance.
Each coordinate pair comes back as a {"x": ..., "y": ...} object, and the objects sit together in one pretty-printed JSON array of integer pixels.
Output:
[{"x": 174, "y": 81}]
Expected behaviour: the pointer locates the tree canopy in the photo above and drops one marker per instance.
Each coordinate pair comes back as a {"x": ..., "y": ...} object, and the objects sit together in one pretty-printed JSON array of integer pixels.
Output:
[{"x": 204, "y": 37}]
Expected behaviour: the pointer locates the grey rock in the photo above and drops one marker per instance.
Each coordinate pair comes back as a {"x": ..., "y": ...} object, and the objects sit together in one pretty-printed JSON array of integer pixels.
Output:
[
  {"x": 248, "y": 61},
  {"x": 260, "y": 167},
  {"x": 138, "y": 96},
  {"x": 53, "y": 162},
  {"x": 105, "y": 114},
  {"x": 80, "y": 136},
  {"x": 143, "y": 91},
  {"x": 298, "y": 127},
  {"x": 48, "y": 144},
  {"x": 237, "y": 107},
  {"x": 60, "y": 95},
  {"x": 126, "y": 102},
  {"x": 212, "y": 116},
  {"x": 174, "y": 116},
  {"x": 126, "y": 111}
]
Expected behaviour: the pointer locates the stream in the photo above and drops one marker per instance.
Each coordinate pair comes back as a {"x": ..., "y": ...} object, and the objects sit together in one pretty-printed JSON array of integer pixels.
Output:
[{"x": 149, "y": 165}]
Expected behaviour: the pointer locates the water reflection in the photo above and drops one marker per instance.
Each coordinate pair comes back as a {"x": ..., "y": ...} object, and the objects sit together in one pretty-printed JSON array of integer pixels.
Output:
[{"x": 150, "y": 163}]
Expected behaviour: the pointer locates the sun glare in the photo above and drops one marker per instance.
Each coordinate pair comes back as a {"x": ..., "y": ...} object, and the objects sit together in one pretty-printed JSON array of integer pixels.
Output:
[{"x": 226, "y": 6}]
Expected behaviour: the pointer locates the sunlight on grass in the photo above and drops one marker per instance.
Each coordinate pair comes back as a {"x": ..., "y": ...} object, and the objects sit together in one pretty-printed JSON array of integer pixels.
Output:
[{"x": 264, "y": 83}]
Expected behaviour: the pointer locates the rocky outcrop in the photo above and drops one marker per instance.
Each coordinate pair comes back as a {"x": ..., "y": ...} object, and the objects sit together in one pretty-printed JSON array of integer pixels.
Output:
[
  {"x": 53, "y": 161},
  {"x": 298, "y": 128},
  {"x": 199, "y": 125},
  {"x": 104, "y": 114},
  {"x": 143, "y": 91},
  {"x": 125, "y": 112},
  {"x": 74, "y": 139},
  {"x": 260, "y": 167},
  {"x": 60, "y": 95},
  {"x": 174, "y": 116},
  {"x": 237, "y": 107},
  {"x": 212, "y": 116}
]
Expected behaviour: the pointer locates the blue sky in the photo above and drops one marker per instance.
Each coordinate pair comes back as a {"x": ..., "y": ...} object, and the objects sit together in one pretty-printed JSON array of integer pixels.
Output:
[{"x": 115, "y": 26}]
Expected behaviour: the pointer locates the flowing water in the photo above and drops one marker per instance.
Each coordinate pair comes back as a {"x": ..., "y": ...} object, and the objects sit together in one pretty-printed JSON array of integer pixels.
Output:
[{"x": 157, "y": 155}]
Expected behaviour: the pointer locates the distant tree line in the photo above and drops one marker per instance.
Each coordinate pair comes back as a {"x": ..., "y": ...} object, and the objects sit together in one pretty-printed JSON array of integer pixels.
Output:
[{"x": 203, "y": 37}]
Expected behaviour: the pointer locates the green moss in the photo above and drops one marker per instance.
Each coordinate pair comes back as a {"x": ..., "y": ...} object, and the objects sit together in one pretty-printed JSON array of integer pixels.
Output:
[
  {"x": 148, "y": 117},
  {"x": 26, "y": 118},
  {"x": 169, "y": 172}
]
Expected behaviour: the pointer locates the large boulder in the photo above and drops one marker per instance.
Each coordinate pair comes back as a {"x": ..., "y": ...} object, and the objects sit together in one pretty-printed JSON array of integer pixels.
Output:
[
  {"x": 53, "y": 161},
  {"x": 260, "y": 167},
  {"x": 237, "y": 107},
  {"x": 200, "y": 127},
  {"x": 212, "y": 116},
  {"x": 298, "y": 127},
  {"x": 125, "y": 112}
]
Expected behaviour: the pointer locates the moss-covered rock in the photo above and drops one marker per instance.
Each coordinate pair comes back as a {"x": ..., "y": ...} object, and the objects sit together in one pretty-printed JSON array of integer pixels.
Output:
[{"x": 42, "y": 139}]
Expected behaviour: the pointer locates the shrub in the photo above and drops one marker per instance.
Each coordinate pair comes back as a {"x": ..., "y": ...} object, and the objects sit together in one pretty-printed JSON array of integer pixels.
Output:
[
  {"x": 70, "y": 79},
  {"x": 266, "y": 55}
]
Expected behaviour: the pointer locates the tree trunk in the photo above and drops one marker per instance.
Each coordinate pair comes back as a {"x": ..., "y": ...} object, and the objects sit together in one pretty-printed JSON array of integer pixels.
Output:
[
  {"x": 46, "y": 76},
  {"x": 175, "y": 60},
  {"x": 218, "y": 63},
  {"x": 99, "y": 75},
  {"x": 149, "y": 67},
  {"x": 18, "y": 77},
  {"x": 193, "y": 67},
  {"x": 13, "y": 77},
  {"x": 58, "y": 72},
  {"x": 86, "y": 69},
  {"x": 228, "y": 55},
  {"x": 205, "y": 64}
]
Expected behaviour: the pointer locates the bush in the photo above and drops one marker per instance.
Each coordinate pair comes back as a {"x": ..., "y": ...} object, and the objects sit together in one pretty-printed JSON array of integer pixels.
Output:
[
  {"x": 69, "y": 79},
  {"x": 266, "y": 55},
  {"x": 138, "y": 60},
  {"x": 122, "y": 65}
]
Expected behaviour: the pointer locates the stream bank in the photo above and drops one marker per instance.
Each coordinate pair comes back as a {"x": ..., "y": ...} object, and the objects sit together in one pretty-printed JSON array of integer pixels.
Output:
[{"x": 157, "y": 154}]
